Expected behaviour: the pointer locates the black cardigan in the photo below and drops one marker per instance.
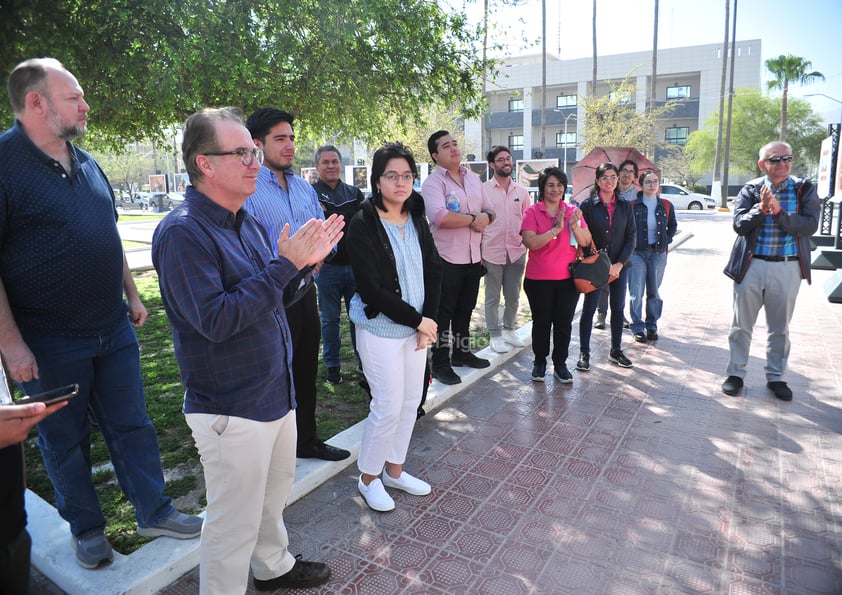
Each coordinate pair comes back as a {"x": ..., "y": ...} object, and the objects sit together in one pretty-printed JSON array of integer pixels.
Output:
[
  {"x": 375, "y": 270},
  {"x": 618, "y": 239}
]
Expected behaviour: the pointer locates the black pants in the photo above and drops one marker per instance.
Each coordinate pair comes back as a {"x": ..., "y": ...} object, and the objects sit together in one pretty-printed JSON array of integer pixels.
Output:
[
  {"x": 459, "y": 290},
  {"x": 14, "y": 565},
  {"x": 305, "y": 329},
  {"x": 553, "y": 304}
]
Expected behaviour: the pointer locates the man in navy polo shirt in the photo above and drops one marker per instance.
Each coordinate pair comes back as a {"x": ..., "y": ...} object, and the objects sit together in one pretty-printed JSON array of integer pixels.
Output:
[{"x": 63, "y": 320}]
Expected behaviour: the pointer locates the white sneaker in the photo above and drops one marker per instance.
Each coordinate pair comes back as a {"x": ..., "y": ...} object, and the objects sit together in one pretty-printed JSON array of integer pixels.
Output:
[
  {"x": 375, "y": 495},
  {"x": 499, "y": 345},
  {"x": 407, "y": 483},
  {"x": 511, "y": 338}
]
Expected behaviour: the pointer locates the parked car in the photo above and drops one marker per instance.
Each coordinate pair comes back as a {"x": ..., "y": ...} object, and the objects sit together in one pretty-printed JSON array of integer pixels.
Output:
[
  {"x": 175, "y": 199},
  {"x": 160, "y": 201},
  {"x": 682, "y": 198}
]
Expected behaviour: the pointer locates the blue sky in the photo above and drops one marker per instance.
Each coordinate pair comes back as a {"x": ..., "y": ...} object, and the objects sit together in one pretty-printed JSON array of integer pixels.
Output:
[{"x": 806, "y": 28}]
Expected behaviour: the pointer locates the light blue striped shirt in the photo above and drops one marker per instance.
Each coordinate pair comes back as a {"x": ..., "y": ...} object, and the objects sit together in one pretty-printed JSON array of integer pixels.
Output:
[
  {"x": 406, "y": 247},
  {"x": 274, "y": 206}
]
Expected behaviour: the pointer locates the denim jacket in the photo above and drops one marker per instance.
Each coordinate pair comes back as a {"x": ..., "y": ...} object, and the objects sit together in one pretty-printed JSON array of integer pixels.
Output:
[{"x": 666, "y": 224}]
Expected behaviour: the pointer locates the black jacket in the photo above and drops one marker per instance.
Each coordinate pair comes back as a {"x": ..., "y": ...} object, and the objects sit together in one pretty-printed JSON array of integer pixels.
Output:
[
  {"x": 375, "y": 270},
  {"x": 618, "y": 239},
  {"x": 748, "y": 218}
]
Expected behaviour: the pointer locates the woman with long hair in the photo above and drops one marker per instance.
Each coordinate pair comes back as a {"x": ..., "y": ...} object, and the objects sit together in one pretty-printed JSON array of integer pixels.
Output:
[
  {"x": 611, "y": 223},
  {"x": 398, "y": 274},
  {"x": 655, "y": 227},
  {"x": 551, "y": 230}
]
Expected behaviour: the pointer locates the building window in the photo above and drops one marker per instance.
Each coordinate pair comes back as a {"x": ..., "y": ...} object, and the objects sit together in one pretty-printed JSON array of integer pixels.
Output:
[
  {"x": 567, "y": 141},
  {"x": 515, "y": 105},
  {"x": 678, "y": 92},
  {"x": 516, "y": 142},
  {"x": 623, "y": 98},
  {"x": 566, "y": 101},
  {"x": 676, "y": 136}
]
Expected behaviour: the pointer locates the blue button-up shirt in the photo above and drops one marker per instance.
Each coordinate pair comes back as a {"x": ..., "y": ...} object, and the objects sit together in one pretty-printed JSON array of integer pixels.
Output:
[{"x": 222, "y": 288}]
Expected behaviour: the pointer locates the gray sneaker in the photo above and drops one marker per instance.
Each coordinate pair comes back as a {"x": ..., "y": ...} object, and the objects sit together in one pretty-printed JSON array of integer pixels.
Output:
[
  {"x": 178, "y": 525},
  {"x": 92, "y": 549}
]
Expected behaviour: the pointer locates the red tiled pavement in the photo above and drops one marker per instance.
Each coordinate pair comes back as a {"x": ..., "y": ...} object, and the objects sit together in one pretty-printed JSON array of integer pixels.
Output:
[{"x": 647, "y": 480}]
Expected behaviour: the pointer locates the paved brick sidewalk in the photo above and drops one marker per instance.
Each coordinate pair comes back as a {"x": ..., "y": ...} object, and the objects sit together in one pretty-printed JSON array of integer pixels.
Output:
[{"x": 647, "y": 480}]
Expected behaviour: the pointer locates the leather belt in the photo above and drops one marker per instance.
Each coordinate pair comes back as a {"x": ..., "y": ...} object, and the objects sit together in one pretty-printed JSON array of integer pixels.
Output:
[{"x": 775, "y": 258}]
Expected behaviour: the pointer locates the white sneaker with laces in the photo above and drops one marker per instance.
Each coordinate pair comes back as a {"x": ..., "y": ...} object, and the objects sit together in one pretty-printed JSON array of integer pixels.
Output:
[
  {"x": 512, "y": 338},
  {"x": 407, "y": 483},
  {"x": 375, "y": 495},
  {"x": 499, "y": 345}
]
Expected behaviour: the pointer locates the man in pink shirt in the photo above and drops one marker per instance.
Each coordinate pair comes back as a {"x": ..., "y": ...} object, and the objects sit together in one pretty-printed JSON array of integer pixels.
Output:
[
  {"x": 459, "y": 211},
  {"x": 502, "y": 250}
]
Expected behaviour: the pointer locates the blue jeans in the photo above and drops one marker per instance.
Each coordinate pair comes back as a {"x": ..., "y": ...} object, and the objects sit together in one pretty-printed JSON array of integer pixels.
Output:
[
  {"x": 617, "y": 300},
  {"x": 645, "y": 275},
  {"x": 107, "y": 370},
  {"x": 335, "y": 282}
]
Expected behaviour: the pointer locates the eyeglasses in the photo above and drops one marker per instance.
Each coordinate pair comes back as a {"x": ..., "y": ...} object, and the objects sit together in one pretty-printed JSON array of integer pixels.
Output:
[
  {"x": 608, "y": 179},
  {"x": 627, "y": 171},
  {"x": 247, "y": 156},
  {"x": 395, "y": 178},
  {"x": 650, "y": 181},
  {"x": 776, "y": 160},
  {"x": 503, "y": 159}
]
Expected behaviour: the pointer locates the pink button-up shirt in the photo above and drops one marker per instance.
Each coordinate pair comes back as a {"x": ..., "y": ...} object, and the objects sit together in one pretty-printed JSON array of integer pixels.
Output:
[
  {"x": 456, "y": 245},
  {"x": 502, "y": 237}
]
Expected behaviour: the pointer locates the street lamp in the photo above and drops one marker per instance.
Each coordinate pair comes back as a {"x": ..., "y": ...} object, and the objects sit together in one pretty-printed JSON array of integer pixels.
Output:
[
  {"x": 826, "y": 97},
  {"x": 566, "y": 118}
]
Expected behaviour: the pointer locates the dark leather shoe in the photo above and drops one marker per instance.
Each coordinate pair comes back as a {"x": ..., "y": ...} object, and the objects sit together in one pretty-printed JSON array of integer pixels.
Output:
[
  {"x": 652, "y": 335},
  {"x": 780, "y": 390},
  {"x": 732, "y": 385},
  {"x": 303, "y": 574},
  {"x": 469, "y": 360},
  {"x": 323, "y": 451},
  {"x": 446, "y": 375},
  {"x": 640, "y": 337}
]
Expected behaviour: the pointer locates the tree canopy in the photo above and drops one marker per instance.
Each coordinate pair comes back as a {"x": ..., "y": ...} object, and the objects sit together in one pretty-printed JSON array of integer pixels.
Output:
[
  {"x": 789, "y": 69},
  {"x": 755, "y": 122},
  {"x": 350, "y": 67}
]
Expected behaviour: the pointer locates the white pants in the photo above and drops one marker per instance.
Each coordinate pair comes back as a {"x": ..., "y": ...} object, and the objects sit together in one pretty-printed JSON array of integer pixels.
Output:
[
  {"x": 249, "y": 469},
  {"x": 395, "y": 373}
]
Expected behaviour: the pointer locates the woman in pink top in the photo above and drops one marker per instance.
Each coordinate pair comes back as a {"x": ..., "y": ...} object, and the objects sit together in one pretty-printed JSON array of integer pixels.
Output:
[{"x": 551, "y": 230}]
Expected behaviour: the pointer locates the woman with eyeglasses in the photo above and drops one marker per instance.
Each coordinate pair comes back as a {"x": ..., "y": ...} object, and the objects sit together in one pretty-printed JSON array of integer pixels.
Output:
[
  {"x": 612, "y": 226},
  {"x": 655, "y": 227},
  {"x": 551, "y": 230},
  {"x": 398, "y": 274}
]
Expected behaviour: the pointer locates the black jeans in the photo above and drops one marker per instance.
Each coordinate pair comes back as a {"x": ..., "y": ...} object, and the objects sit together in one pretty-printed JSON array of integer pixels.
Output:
[
  {"x": 14, "y": 565},
  {"x": 617, "y": 298},
  {"x": 459, "y": 290},
  {"x": 553, "y": 304},
  {"x": 305, "y": 331}
]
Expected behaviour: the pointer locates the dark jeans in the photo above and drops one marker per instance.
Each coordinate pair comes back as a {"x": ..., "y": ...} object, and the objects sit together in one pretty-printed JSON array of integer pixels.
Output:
[
  {"x": 14, "y": 565},
  {"x": 304, "y": 326},
  {"x": 336, "y": 283},
  {"x": 617, "y": 300},
  {"x": 459, "y": 290},
  {"x": 107, "y": 370},
  {"x": 553, "y": 304}
]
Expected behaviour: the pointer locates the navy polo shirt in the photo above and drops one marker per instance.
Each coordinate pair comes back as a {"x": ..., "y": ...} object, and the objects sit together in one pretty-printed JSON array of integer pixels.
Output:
[{"x": 61, "y": 259}]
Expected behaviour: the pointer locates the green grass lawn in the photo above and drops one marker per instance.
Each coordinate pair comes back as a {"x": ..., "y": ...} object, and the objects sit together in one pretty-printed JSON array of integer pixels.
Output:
[{"x": 339, "y": 407}]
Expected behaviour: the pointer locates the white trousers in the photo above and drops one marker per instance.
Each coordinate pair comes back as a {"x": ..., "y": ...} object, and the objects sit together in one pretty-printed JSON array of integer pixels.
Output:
[
  {"x": 249, "y": 469},
  {"x": 395, "y": 373}
]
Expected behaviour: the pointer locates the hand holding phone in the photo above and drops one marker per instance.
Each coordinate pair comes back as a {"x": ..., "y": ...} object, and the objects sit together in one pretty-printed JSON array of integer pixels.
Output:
[{"x": 65, "y": 393}]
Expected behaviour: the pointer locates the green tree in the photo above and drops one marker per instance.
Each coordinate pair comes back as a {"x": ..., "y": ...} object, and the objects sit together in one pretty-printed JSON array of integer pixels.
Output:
[
  {"x": 676, "y": 165},
  {"x": 347, "y": 66},
  {"x": 789, "y": 69},
  {"x": 755, "y": 123},
  {"x": 613, "y": 120}
]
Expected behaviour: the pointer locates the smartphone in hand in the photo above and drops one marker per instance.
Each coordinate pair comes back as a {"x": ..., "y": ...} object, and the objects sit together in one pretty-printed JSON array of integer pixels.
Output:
[{"x": 65, "y": 393}]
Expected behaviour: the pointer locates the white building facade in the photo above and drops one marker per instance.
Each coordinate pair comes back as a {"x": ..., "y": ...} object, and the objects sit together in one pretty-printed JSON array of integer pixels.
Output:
[{"x": 691, "y": 75}]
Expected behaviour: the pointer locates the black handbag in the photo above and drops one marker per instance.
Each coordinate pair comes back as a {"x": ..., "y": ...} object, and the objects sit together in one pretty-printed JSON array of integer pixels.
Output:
[{"x": 590, "y": 272}]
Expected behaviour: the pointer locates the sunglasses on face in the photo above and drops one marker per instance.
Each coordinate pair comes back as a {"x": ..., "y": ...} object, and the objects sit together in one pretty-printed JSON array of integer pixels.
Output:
[{"x": 776, "y": 160}]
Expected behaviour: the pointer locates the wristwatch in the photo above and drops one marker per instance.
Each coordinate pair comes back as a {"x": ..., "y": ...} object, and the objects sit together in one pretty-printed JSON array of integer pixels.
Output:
[
  {"x": 490, "y": 216},
  {"x": 473, "y": 218}
]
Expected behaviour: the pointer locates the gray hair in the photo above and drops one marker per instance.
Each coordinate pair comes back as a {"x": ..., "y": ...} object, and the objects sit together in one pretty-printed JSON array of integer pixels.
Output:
[
  {"x": 764, "y": 150},
  {"x": 200, "y": 136},
  {"x": 30, "y": 75}
]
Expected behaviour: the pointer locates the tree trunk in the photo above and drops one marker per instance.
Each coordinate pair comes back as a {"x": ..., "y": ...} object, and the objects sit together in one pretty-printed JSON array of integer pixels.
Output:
[
  {"x": 653, "y": 93},
  {"x": 784, "y": 97},
  {"x": 715, "y": 178},
  {"x": 593, "y": 79}
]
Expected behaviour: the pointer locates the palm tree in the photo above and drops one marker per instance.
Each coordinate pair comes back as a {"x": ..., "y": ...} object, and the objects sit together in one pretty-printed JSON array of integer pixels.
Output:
[
  {"x": 790, "y": 69},
  {"x": 593, "y": 80}
]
